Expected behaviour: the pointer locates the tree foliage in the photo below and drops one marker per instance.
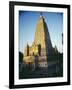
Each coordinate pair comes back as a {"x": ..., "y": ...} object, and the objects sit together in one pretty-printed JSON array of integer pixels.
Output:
[{"x": 20, "y": 56}]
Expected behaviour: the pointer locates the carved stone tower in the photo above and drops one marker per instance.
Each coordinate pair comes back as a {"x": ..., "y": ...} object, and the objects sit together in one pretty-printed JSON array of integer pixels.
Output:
[{"x": 42, "y": 37}]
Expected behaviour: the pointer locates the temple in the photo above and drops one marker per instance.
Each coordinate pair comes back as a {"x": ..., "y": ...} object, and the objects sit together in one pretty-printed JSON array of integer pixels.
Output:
[{"x": 41, "y": 50}]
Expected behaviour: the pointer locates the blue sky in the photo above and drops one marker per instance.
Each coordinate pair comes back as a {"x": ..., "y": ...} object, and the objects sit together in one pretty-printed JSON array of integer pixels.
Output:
[{"x": 27, "y": 27}]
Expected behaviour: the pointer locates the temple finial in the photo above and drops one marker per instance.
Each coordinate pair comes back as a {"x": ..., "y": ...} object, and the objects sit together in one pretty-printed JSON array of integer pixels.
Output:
[{"x": 41, "y": 13}]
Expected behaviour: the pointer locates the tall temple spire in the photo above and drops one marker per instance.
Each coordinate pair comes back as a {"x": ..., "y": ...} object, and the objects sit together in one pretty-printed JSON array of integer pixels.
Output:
[
  {"x": 42, "y": 36},
  {"x": 41, "y": 14}
]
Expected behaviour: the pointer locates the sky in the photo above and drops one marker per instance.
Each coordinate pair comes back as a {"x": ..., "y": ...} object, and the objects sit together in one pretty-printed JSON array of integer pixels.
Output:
[{"x": 27, "y": 28}]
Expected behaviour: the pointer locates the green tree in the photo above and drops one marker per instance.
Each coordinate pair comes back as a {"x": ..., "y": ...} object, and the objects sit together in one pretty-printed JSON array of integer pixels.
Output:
[{"x": 20, "y": 57}]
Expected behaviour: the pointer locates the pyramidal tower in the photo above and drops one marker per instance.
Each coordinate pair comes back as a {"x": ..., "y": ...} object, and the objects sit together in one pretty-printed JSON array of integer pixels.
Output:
[
  {"x": 41, "y": 48},
  {"x": 42, "y": 37}
]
